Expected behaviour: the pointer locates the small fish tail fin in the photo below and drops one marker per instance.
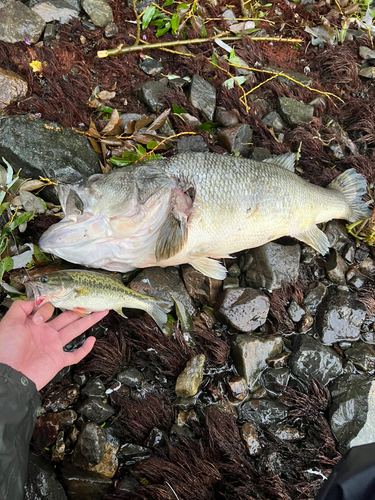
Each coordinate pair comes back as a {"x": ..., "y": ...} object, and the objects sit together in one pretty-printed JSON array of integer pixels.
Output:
[
  {"x": 158, "y": 315},
  {"x": 352, "y": 185}
]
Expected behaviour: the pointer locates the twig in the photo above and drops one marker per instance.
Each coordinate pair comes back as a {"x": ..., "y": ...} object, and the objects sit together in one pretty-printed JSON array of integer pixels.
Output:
[
  {"x": 137, "y": 17},
  {"x": 6, "y": 191},
  {"x": 162, "y": 142}
]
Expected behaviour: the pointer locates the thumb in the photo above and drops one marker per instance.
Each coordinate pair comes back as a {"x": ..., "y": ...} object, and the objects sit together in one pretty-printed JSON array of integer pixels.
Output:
[{"x": 81, "y": 352}]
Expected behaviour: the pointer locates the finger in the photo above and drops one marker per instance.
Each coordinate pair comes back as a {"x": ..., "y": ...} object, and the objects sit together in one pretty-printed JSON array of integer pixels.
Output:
[
  {"x": 81, "y": 352},
  {"x": 43, "y": 314},
  {"x": 63, "y": 320},
  {"x": 81, "y": 325},
  {"x": 20, "y": 309}
]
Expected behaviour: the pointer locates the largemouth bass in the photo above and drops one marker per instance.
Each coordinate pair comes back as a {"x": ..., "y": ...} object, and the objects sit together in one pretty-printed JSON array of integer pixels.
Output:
[
  {"x": 88, "y": 291},
  {"x": 195, "y": 208}
]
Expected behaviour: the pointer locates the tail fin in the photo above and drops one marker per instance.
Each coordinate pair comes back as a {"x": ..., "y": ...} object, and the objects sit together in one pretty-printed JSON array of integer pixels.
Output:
[
  {"x": 158, "y": 315},
  {"x": 352, "y": 185}
]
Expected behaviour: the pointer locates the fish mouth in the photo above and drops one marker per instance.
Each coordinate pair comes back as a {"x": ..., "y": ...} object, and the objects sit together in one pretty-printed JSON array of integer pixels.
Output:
[{"x": 34, "y": 293}]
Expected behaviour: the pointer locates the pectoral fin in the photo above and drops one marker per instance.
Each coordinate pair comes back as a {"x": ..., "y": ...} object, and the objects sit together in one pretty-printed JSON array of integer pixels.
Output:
[
  {"x": 286, "y": 161},
  {"x": 119, "y": 311},
  {"x": 171, "y": 239},
  {"x": 209, "y": 267},
  {"x": 315, "y": 238}
]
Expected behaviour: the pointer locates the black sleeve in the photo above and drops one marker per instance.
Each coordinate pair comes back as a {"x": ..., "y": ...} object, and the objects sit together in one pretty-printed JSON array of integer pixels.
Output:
[
  {"x": 19, "y": 402},
  {"x": 353, "y": 478}
]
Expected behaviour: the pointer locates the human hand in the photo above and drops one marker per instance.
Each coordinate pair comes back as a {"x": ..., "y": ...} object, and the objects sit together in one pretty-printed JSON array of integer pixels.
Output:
[{"x": 35, "y": 348}]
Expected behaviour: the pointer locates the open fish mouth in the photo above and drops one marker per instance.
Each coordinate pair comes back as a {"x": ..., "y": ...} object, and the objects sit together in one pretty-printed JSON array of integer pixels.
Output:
[{"x": 34, "y": 293}]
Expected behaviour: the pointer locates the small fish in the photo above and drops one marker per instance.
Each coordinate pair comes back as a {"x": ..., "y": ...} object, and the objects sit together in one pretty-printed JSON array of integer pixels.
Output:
[
  {"x": 195, "y": 208},
  {"x": 88, "y": 291}
]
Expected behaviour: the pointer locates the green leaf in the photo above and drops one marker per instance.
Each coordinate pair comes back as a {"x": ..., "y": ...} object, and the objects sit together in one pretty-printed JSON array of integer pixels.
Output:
[
  {"x": 152, "y": 144},
  {"x": 39, "y": 255},
  {"x": 122, "y": 162},
  {"x": 167, "y": 3},
  {"x": 177, "y": 110},
  {"x": 161, "y": 31},
  {"x": 183, "y": 6},
  {"x": 232, "y": 53},
  {"x": 3, "y": 207},
  {"x": 214, "y": 59},
  {"x": 148, "y": 15},
  {"x": 229, "y": 84},
  {"x": 105, "y": 109},
  {"x": 175, "y": 22},
  {"x": 141, "y": 150},
  {"x": 26, "y": 216},
  {"x": 8, "y": 263},
  {"x": 3, "y": 243},
  {"x": 206, "y": 126}
]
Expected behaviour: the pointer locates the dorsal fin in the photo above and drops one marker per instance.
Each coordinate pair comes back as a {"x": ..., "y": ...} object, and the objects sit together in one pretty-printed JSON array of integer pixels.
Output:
[{"x": 286, "y": 161}]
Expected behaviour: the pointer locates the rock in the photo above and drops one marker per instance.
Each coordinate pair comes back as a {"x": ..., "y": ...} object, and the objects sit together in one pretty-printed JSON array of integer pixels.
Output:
[
  {"x": 349, "y": 253},
  {"x": 12, "y": 87},
  {"x": 110, "y": 30},
  {"x": 230, "y": 282},
  {"x": 311, "y": 359},
  {"x": 260, "y": 154},
  {"x": 128, "y": 484},
  {"x": 130, "y": 453},
  {"x": 19, "y": 23},
  {"x": 355, "y": 278},
  {"x": 294, "y": 111},
  {"x": 250, "y": 353},
  {"x": 99, "y": 12},
  {"x": 193, "y": 143},
  {"x": 243, "y": 308},
  {"x": 262, "y": 412},
  {"x": 151, "y": 94},
  {"x": 58, "y": 449},
  {"x": 229, "y": 16},
  {"x": 299, "y": 77},
  {"x": 367, "y": 72},
  {"x": 131, "y": 377},
  {"x": 336, "y": 268},
  {"x": 190, "y": 378},
  {"x": 193, "y": 122},
  {"x": 314, "y": 295},
  {"x": 90, "y": 446},
  {"x": 84, "y": 485},
  {"x": 94, "y": 388},
  {"x": 60, "y": 154},
  {"x": 237, "y": 388},
  {"x": 66, "y": 418},
  {"x": 54, "y": 10},
  {"x": 234, "y": 271},
  {"x": 279, "y": 360},
  {"x": 162, "y": 283},
  {"x": 295, "y": 311},
  {"x": 41, "y": 482},
  {"x": 155, "y": 439},
  {"x": 96, "y": 410},
  {"x": 235, "y": 139},
  {"x": 271, "y": 265},
  {"x": 45, "y": 431},
  {"x": 274, "y": 120},
  {"x": 366, "y": 53},
  {"x": 367, "y": 267},
  {"x": 61, "y": 398},
  {"x": 49, "y": 33},
  {"x": 337, "y": 235},
  {"x": 129, "y": 117},
  {"x": 151, "y": 66},
  {"x": 286, "y": 433},
  {"x": 140, "y": 5},
  {"x": 273, "y": 376},
  {"x": 340, "y": 317},
  {"x": 225, "y": 117},
  {"x": 362, "y": 356},
  {"x": 203, "y": 97},
  {"x": 250, "y": 437},
  {"x": 352, "y": 411}
]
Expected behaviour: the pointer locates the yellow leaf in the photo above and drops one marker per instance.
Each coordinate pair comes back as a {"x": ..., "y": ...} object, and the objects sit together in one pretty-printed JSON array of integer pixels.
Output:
[{"x": 37, "y": 66}]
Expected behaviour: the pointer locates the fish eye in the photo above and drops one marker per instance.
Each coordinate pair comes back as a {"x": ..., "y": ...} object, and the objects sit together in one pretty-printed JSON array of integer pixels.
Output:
[{"x": 44, "y": 279}]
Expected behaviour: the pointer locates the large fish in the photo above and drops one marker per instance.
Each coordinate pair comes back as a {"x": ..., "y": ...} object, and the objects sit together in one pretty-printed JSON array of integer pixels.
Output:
[
  {"x": 89, "y": 291},
  {"x": 195, "y": 208}
]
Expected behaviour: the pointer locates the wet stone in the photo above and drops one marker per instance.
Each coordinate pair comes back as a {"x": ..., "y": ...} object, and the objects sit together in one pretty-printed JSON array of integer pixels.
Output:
[
  {"x": 66, "y": 418},
  {"x": 250, "y": 437},
  {"x": 314, "y": 296},
  {"x": 99, "y": 12},
  {"x": 367, "y": 72},
  {"x": 12, "y": 87},
  {"x": 366, "y": 53},
  {"x": 340, "y": 317},
  {"x": 200, "y": 287},
  {"x": 130, "y": 377},
  {"x": 190, "y": 378},
  {"x": 243, "y": 308},
  {"x": 271, "y": 265},
  {"x": 237, "y": 388},
  {"x": 18, "y": 23},
  {"x": 110, "y": 30},
  {"x": 250, "y": 353},
  {"x": 234, "y": 271},
  {"x": 355, "y": 278},
  {"x": 140, "y": 5},
  {"x": 49, "y": 33},
  {"x": 337, "y": 235},
  {"x": 305, "y": 324},
  {"x": 90, "y": 446},
  {"x": 96, "y": 410},
  {"x": 54, "y": 10},
  {"x": 274, "y": 120},
  {"x": 181, "y": 431},
  {"x": 362, "y": 356},
  {"x": 273, "y": 376},
  {"x": 58, "y": 449},
  {"x": 299, "y": 77},
  {"x": 151, "y": 67},
  {"x": 311, "y": 359},
  {"x": 230, "y": 282},
  {"x": 162, "y": 283},
  {"x": 260, "y": 154},
  {"x": 155, "y": 439},
  {"x": 225, "y": 117},
  {"x": 367, "y": 267},
  {"x": 278, "y": 361},
  {"x": 295, "y": 311},
  {"x": 295, "y": 111},
  {"x": 193, "y": 143},
  {"x": 42, "y": 483},
  {"x": 352, "y": 410},
  {"x": 130, "y": 453},
  {"x": 262, "y": 412},
  {"x": 61, "y": 398},
  {"x": 336, "y": 268},
  {"x": 84, "y": 485},
  {"x": 80, "y": 378},
  {"x": 235, "y": 139},
  {"x": 349, "y": 253},
  {"x": 151, "y": 93},
  {"x": 45, "y": 431},
  {"x": 203, "y": 97},
  {"x": 286, "y": 433},
  {"x": 94, "y": 388},
  {"x": 128, "y": 485}
]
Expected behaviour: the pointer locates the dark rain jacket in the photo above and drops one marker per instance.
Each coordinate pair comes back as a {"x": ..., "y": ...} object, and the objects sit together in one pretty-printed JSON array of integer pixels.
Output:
[{"x": 19, "y": 404}]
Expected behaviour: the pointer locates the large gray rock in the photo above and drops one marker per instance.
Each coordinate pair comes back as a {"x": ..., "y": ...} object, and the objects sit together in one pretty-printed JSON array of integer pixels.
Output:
[
  {"x": 236, "y": 138},
  {"x": 311, "y": 359},
  {"x": 151, "y": 93},
  {"x": 250, "y": 353},
  {"x": 19, "y": 23},
  {"x": 199, "y": 286},
  {"x": 12, "y": 87},
  {"x": 47, "y": 149},
  {"x": 203, "y": 97},
  {"x": 295, "y": 111},
  {"x": 271, "y": 265},
  {"x": 352, "y": 411},
  {"x": 340, "y": 317},
  {"x": 55, "y": 10},
  {"x": 99, "y": 11},
  {"x": 262, "y": 412}
]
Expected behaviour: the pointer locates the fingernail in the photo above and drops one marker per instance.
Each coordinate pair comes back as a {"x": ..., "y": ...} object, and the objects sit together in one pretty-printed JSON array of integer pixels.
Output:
[{"x": 38, "y": 320}]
